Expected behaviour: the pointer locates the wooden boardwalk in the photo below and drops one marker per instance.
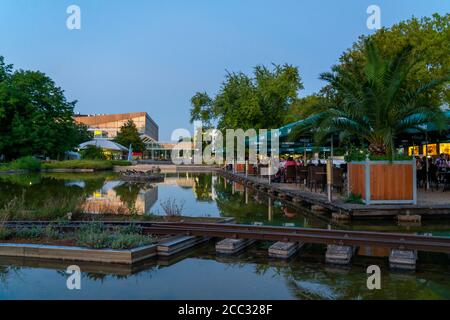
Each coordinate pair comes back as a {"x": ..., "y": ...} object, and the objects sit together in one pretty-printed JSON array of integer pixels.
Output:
[{"x": 426, "y": 207}]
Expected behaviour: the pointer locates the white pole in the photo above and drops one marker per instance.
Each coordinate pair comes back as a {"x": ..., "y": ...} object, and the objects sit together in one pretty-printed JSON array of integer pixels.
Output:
[{"x": 246, "y": 168}]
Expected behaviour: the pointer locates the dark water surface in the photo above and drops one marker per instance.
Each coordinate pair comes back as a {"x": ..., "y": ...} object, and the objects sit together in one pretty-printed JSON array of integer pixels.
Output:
[{"x": 200, "y": 274}]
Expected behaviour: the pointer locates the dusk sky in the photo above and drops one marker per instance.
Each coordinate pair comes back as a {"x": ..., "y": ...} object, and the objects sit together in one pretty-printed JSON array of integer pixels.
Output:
[{"x": 143, "y": 55}]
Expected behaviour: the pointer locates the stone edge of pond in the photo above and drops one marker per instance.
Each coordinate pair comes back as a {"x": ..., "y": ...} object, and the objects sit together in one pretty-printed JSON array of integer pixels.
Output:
[{"x": 78, "y": 253}]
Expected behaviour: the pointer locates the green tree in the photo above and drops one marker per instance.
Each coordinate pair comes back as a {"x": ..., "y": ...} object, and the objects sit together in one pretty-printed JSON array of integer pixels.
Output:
[
  {"x": 128, "y": 134},
  {"x": 304, "y": 107},
  {"x": 430, "y": 41},
  {"x": 92, "y": 152},
  {"x": 378, "y": 104},
  {"x": 245, "y": 102},
  {"x": 82, "y": 133},
  {"x": 35, "y": 117}
]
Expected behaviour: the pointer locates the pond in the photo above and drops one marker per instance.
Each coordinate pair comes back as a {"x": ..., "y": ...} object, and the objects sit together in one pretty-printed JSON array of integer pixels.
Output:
[
  {"x": 197, "y": 194},
  {"x": 200, "y": 273}
]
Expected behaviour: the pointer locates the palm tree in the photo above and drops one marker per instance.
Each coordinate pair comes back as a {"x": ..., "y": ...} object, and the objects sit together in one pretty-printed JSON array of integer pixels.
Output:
[{"x": 378, "y": 103}]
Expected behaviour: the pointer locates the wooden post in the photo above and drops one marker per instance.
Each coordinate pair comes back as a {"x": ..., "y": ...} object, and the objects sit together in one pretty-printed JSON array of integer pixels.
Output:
[{"x": 246, "y": 168}]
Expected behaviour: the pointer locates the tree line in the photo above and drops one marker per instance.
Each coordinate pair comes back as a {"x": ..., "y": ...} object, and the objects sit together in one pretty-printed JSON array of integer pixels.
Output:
[
  {"x": 388, "y": 82},
  {"x": 35, "y": 116}
]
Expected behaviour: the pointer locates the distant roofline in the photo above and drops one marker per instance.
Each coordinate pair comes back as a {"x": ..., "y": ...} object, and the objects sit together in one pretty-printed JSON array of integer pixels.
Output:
[{"x": 107, "y": 117}]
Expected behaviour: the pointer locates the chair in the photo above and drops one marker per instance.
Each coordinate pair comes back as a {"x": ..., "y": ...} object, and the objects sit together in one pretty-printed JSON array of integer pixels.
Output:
[
  {"x": 301, "y": 174},
  {"x": 338, "y": 179},
  {"x": 251, "y": 169},
  {"x": 290, "y": 174},
  {"x": 316, "y": 178},
  {"x": 433, "y": 177}
]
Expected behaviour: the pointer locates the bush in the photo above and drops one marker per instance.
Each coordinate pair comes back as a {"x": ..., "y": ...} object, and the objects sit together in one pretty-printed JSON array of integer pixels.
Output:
[
  {"x": 130, "y": 229},
  {"x": 29, "y": 233},
  {"x": 24, "y": 163},
  {"x": 95, "y": 235},
  {"x": 51, "y": 232},
  {"x": 128, "y": 241},
  {"x": 354, "y": 198},
  {"x": 5, "y": 233},
  {"x": 92, "y": 153},
  {"x": 171, "y": 207}
]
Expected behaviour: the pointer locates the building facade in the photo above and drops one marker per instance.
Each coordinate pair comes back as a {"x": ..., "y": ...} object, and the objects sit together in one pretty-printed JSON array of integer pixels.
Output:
[{"x": 107, "y": 125}]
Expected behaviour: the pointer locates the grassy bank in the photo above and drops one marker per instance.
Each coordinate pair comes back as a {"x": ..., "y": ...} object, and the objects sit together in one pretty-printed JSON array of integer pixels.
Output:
[
  {"x": 97, "y": 165},
  {"x": 33, "y": 164}
]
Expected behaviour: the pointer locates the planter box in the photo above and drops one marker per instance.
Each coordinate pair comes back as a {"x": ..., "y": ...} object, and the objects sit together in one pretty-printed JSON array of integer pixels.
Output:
[
  {"x": 383, "y": 182},
  {"x": 77, "y": 253}
]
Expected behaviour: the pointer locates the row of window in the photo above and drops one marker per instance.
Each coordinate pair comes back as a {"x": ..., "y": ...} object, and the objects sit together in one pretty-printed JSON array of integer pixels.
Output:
[{"x": 433, "y": 149}]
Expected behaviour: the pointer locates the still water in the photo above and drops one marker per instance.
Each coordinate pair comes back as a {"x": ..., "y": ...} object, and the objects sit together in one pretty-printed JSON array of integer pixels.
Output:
[{"x": 200, "y": 274}]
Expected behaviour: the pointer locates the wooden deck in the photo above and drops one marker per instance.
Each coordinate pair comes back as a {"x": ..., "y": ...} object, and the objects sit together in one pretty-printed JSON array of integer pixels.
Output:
[{"x": 429, "y": 204}]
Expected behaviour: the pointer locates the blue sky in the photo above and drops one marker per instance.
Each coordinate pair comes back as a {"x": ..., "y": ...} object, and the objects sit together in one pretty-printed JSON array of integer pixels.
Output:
[{"x": 144, "y": 55}]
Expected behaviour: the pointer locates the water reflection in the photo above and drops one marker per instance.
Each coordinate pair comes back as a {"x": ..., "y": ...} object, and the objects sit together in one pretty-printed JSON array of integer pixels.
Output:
[
  {"x": 200, "y": 274},
  {"x": 203, "y": 195},
  {"x": 119, "y": 197}
]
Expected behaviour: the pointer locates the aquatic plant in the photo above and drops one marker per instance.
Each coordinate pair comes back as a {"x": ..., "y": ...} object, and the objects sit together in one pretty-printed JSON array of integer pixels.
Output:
[
  {"x": 172, "y": 207},
  {"x": 96, "y": 235}
]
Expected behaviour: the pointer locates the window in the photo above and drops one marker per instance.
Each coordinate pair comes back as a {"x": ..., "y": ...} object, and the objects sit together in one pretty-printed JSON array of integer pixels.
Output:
[
  {"x": 416, "y": 151},
  {"x": 444, "y": 148},
  {"x": 432, "y": 149}
]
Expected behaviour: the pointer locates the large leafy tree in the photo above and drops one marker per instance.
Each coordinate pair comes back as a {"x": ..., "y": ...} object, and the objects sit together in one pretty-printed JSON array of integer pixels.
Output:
[
  {"x": 258, "y": 101},
  {"x": 379, "y": 102},
  {"x": 35, "y": 117},
  {"x": 430, "y": 41},
  {"x": 129, "y": 134}
]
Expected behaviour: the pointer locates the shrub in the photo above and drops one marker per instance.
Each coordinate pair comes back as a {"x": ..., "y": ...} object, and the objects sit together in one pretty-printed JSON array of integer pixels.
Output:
[
  {"x": 128, "y": 241},
  {"x": 171, "y": 207},
  {"x": 130, "y": 229},
  {"x": 354, "y": 198},
  {"x": 24, "y": 163},
  {"x": 5, "y": 233},
  {"x": 51, "y": 232},
  {"x": 95, "y": 235},
  {"x": 92, "y": 152},
  {"x": 29, "y": 233}
]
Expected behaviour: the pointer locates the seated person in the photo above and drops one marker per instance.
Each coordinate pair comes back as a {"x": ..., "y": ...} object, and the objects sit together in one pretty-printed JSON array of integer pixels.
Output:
[{"x": 290, "y": 162}]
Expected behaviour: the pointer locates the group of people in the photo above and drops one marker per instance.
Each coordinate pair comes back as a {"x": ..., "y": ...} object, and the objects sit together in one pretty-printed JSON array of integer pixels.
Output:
[
  {"x": 438, "y": 169},
  {"x": 442, "y": 162},
  {"x": 285, "y": 163}
]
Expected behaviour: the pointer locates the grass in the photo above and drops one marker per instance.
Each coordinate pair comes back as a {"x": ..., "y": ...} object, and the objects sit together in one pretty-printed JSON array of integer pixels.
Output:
[
  {"x": 77, "y": 164},
  {"x": 97, "y": 165},
  {"x": 93, "y": 235},
  {"x": 51, "y": 209},
  {"x": 33, "y": 164}
]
